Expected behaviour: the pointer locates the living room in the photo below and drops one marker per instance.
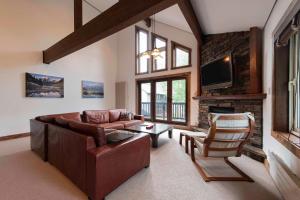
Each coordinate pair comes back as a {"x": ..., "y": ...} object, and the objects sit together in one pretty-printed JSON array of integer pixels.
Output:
[{"x": 160, "y": 99}]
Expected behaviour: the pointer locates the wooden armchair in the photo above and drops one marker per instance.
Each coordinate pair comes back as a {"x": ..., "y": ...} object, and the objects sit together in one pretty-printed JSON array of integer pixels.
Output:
[{"x": 226, "y": 137}]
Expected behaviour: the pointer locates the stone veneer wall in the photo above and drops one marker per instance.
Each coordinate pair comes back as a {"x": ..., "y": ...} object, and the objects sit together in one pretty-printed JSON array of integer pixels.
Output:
[{"x": 237, "y": 43}]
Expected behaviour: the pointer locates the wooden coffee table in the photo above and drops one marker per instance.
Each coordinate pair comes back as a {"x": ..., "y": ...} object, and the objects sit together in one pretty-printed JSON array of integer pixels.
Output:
[{"x": 154, "y": 132}]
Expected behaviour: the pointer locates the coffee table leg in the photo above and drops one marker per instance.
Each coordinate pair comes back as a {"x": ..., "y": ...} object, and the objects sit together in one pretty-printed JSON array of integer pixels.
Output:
[
  {"x": 154, "y": 139},
  {"x": 170, "y": 133}
]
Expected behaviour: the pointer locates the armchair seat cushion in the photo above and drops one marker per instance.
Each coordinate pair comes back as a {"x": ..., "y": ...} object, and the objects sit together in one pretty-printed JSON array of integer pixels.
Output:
[{"x": 196, "y": 134}]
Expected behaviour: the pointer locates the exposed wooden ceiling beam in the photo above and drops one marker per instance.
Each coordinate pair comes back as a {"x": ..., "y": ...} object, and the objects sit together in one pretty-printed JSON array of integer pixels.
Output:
[
  {"x": 114, "y": 19},
  {"x": 77, "y": 14},
  {"x": 191, "y": 18}
]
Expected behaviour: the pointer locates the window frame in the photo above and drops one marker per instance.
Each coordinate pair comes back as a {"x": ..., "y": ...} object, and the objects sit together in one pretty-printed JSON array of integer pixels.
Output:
[
  {"x": 169, "y": 79},
  {"x": 282, "y": 130},
  {"x": 175, "y": 45},
  {"x": 137, "y": 57},
  {"x": 153, "y": 37}
]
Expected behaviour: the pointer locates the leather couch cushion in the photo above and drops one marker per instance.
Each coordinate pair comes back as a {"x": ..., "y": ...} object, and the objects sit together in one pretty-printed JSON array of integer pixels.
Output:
[
  {"x": 130, "y": 123},
  {"x": 114, "y": 115},
  {"x": 64, "y": 122},
  {"x": 133, "y": 123},
  {"x": 113, "y": 125},
  {"x": 50, "y": 118},
  {"x": 95, "y": 131},
  {"x": 96, "y": 116},
  {"x": 61, "y": 121}
]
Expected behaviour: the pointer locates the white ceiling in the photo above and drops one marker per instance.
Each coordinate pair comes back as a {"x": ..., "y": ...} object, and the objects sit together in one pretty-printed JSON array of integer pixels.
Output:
[
  {"x": 215, "y": 16},
  {"x": 173, "y": 17},
  {"x": 102, "y": 4},
  {"x": 218, "y": 16}
]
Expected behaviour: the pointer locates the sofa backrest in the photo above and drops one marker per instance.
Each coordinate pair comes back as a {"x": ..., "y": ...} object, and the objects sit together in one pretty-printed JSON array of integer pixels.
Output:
[
  {"x": 114, "y": 115},
  {"x": 102, "y": 116},
  {"x": 96, "y": 116},
  {"x": 50, "y": 118},
  {"x": 92, "y": 130}
]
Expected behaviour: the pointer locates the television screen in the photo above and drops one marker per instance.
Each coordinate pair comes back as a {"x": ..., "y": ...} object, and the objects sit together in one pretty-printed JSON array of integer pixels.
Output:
[{"x": 217, "y": 74}]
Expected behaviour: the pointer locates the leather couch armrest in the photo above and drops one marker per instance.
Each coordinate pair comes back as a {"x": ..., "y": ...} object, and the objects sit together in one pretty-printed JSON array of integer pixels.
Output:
[
  {"x": 110, "y": 165},
  {"x": 39, "y": 138},
  {"x": 139, "y": 117}
]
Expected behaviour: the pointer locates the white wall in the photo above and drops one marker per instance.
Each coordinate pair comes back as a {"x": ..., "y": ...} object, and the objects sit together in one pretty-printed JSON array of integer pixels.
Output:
[
  {"x": 126, "y": 59},
  {"x": 27, "y": 27},
  {"x": 270, "y": 144}
]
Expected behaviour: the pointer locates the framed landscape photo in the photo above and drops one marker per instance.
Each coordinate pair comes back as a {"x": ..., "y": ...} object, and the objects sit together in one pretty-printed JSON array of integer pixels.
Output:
[
  {"x": 44, "y": 86},
  {"x": 92, "y": 89}
]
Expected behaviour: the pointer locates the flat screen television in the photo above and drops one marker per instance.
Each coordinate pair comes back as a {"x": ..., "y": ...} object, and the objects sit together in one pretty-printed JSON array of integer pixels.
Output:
[{"x": 217, "y": 74}]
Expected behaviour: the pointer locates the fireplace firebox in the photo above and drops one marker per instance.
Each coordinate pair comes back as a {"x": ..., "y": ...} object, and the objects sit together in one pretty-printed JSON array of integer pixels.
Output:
[{"x": 217, "y": 109}]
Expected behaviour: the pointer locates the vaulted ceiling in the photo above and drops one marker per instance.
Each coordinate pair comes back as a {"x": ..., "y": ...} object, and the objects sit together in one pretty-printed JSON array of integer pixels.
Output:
[{"x": 215, "y": 16}]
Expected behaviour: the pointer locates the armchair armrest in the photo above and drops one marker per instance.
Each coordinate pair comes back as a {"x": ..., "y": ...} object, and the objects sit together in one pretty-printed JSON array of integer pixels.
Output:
[
  {"x": 139, "y": 117},
  {"x": 110, "y": 165}
]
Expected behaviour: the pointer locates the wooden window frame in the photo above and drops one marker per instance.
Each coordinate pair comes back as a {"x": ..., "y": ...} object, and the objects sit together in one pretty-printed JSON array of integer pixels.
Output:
[
  {"x": 137, "y": 30},
  {"x": 175, "y": 45},
  {"x": 280, "y": 124},
  {"x": 169, "y": 79},
  {"x": 153, "y": 37}
]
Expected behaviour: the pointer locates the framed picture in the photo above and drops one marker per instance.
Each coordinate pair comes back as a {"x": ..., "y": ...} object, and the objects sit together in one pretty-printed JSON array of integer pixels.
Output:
[
  {"x": 38, "y": 85},
  {"x": 92, "y": 89}
]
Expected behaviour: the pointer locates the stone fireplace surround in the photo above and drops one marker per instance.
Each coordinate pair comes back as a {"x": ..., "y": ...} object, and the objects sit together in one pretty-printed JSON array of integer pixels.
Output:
[
  {"x": 239, "y": 45},
  {"x": 239, "y": 106}
]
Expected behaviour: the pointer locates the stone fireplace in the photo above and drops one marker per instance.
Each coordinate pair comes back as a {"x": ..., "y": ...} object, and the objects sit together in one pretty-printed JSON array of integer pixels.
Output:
[
  {"x": 218, "y": 109},
  {"x": 245, "y": 94},
  {"x": 234, "y": 106}
]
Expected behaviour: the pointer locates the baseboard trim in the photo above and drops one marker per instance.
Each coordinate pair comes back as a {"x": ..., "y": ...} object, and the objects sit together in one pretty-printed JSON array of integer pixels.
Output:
[
  {"x": 15, "y": 136},
  {"x": 287, "y": 183}
]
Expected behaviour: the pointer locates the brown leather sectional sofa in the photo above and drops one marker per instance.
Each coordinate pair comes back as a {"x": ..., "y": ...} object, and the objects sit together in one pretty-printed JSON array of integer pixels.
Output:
[{"x": 76, "y": 145}]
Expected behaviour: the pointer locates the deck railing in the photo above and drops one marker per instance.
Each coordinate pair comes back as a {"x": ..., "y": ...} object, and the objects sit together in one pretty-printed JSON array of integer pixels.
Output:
[{"x": 178, "y": 110}]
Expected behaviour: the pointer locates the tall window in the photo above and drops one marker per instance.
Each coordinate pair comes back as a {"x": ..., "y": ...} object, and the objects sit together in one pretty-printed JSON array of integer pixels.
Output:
[
  {"x": 159, "y": 63},
  {"x": 294, "y": 84},
  {"x": 164, "y": 99},
  {"x": 142, "y": 62},
  {"x": 181, "y": 56},
  {"x": 286, "y": 101}
]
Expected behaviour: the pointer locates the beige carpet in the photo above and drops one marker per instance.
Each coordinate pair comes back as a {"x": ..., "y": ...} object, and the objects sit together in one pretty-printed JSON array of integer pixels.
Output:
[{"x": 171, "y": 176}]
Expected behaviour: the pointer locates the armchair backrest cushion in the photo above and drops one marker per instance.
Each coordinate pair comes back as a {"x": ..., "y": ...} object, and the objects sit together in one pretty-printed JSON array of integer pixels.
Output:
[{"x": 227, "y": 134}]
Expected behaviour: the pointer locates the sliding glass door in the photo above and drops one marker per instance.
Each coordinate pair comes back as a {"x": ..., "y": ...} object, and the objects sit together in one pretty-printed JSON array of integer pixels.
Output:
[
  {"x": 145, "y": 99},
  {"x": 179, "y": 100},
  {"x": 164, "y": 100},
  {"x": 161, "y": 100}
]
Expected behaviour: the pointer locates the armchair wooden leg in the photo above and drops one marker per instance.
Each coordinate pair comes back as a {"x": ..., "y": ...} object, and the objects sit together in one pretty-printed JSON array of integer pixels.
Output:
[
  {"x": 187, "y": 138},
  {"x": 180, "y": 138},
  {"x": 192, "y": 149}
]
